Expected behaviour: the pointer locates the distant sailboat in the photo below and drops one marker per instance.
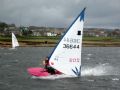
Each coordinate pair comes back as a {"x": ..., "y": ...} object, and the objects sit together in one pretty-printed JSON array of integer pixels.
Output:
[
  {"x": 66, "y": 57},
  {"x": 14, "y": 41}
]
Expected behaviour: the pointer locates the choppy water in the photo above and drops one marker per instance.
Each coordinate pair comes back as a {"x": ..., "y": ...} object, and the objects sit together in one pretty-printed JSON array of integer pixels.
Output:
[{"x": 100, "y": 70}]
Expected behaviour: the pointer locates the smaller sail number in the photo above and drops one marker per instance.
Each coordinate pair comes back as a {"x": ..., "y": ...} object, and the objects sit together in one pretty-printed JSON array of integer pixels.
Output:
[
  {"x": 74, "y": 60},
  {"x": 71, "y": 46}
]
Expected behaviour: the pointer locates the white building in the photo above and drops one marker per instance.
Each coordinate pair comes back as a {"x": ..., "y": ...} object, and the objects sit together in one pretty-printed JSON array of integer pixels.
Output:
[{"x": 51, "y": 34}]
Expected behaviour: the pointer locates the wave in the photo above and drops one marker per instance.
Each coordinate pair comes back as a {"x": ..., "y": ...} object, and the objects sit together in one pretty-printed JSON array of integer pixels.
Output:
[{"x": 98, "y": 70}]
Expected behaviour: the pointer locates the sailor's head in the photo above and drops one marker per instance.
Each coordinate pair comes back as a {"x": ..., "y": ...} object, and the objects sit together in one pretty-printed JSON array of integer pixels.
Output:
[{"x": 47, "y": 58}]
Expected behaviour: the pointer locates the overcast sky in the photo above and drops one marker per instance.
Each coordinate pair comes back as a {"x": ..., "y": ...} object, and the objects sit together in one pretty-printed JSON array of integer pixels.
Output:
[{"x": 60, "y": 13}]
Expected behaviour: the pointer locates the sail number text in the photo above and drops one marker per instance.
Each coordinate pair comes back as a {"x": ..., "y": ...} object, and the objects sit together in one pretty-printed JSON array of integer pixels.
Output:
[
  {"x": 71, "y": 46},
  {"x": 74, "y": 60},
  {"x": 71, "y": 40}
]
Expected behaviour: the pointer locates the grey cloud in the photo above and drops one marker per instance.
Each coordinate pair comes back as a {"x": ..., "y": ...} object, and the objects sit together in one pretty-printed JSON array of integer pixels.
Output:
[{"x": 60, "y": 13}]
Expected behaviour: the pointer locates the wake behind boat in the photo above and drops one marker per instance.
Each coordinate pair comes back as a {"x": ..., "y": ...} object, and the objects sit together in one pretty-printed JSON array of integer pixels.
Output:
[{"x": 66, "y": 57}]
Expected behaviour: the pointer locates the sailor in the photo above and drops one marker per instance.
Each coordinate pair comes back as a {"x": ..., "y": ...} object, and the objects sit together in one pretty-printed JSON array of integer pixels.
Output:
[{"x": 47, "y": 66}]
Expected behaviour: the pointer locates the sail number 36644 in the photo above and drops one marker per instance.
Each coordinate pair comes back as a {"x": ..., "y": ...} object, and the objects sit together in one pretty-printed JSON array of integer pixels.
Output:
[{"x": 71, "y": 46}]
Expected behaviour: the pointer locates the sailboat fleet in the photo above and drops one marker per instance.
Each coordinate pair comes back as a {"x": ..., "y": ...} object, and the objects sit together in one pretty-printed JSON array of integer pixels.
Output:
[{"x": 66, "y": 56}]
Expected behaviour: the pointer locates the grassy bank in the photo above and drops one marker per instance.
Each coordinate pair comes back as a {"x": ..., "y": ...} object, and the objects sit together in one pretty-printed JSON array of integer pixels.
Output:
[{"x": 52, "y": 41}]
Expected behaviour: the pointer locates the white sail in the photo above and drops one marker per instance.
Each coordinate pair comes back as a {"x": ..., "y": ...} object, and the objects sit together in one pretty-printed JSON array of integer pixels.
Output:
[
  {"x": 66, "y": 57},
  {"x": 14, "y": 41}
]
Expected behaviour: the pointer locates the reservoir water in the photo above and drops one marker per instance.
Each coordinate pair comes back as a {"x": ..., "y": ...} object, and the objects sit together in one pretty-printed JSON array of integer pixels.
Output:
[{"x": 100, "y": 70}]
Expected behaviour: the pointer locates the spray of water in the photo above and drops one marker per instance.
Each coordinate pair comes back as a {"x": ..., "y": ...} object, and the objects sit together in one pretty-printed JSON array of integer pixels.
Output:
[{"x": 98, "y": 70}]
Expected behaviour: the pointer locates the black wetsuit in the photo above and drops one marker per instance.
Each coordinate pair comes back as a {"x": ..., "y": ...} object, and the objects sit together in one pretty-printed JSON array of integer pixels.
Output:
[{"x": 49, "y": 68}]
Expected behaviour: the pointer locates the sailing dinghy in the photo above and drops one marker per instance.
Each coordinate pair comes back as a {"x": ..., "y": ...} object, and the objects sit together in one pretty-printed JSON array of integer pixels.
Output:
[
  {"x": 66, "y": 57},
  {"x": 14, "y": 41}
]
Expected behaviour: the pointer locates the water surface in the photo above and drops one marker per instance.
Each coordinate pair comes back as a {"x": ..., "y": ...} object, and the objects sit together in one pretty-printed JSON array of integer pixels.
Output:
[{"x": 100, "y": 70}]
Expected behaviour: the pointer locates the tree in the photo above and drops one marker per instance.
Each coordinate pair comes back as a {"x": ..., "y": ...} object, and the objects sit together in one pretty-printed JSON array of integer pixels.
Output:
[
  {"x": 25, "y": 31},
  {"x": 3, "y": 26}
]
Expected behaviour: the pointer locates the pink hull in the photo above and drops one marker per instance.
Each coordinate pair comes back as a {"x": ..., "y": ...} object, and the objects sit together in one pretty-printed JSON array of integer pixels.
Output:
[{"x": 39, "y": 72}]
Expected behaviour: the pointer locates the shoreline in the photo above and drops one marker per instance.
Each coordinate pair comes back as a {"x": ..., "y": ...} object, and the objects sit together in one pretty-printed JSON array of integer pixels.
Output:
[{"x": 52, "y": 44}]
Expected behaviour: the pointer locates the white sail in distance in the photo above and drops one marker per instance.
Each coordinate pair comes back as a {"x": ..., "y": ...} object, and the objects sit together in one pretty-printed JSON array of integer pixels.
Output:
[
  {"x": 66, "y": 56},
  {"x": 14, "y": 41}
]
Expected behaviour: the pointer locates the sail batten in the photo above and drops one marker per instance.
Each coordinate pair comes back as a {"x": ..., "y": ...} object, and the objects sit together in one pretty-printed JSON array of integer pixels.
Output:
[{"x": 66, "y": 57}]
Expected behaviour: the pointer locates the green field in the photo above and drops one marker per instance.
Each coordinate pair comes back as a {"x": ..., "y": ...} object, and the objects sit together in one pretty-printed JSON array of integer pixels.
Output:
[
  {"x": 31, "y": 38},
  {"x": 54, "y": 39},
  {"x": 51, "y": 41},
  {"x": 112, "y": 39}
]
